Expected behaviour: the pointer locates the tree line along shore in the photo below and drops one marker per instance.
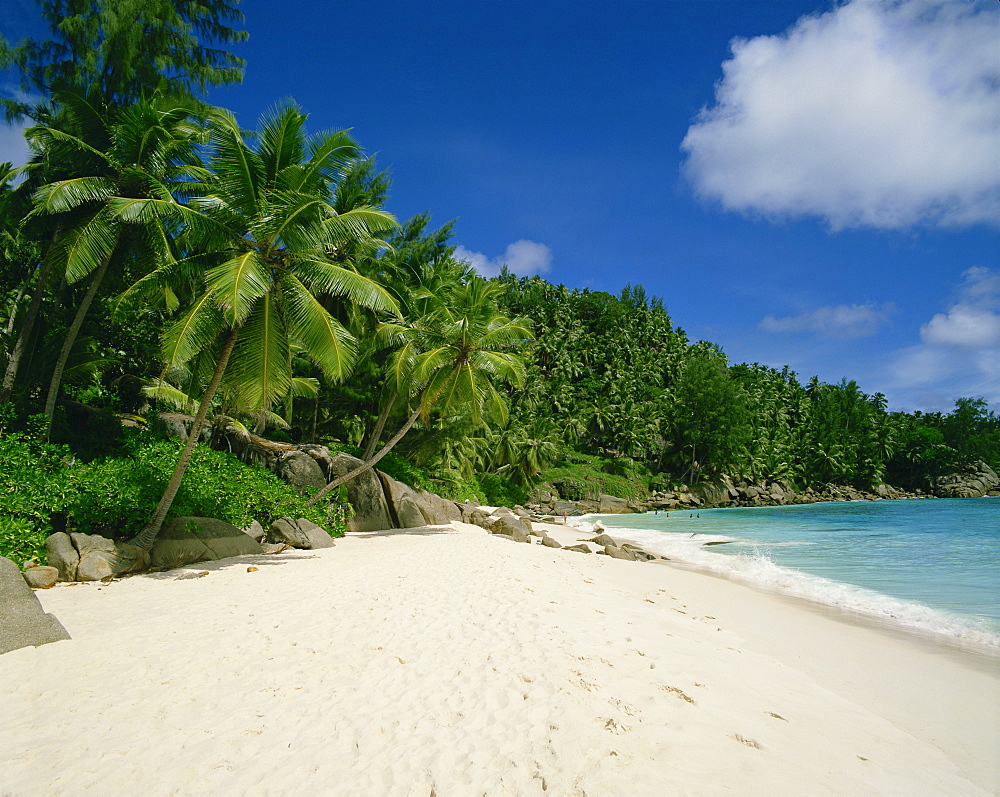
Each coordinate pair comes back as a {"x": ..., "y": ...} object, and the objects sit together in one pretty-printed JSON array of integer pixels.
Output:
[{"x": 158, "y": 261}]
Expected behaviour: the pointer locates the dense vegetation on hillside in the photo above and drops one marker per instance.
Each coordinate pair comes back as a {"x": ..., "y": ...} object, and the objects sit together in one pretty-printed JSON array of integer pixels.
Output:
[{"x": 156, "y": 256}]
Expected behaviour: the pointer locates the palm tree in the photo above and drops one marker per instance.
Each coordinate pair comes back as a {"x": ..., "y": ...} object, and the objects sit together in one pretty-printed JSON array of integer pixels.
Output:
[
  {"x": 143, "y": 150},
  {"x": 266, "y": 236},
  {"x": 451, "y": 359}
]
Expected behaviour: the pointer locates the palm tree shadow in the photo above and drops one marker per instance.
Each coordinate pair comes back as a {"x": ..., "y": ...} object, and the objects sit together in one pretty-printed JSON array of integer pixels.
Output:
[
  {"x": 418, "y": 531},
  {"x": 196, "y": 569}
]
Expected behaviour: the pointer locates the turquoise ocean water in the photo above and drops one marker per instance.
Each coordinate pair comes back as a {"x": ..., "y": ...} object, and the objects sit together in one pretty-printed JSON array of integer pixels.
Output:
[{"x": 930, "y": 565}]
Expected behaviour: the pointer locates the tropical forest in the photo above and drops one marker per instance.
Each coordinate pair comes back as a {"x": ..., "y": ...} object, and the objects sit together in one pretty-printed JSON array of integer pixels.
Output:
[{"x": 161, "y": 259}]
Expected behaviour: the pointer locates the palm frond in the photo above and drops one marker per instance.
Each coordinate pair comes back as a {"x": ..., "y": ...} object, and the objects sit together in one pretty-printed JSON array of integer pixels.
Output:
[
  {"x": 65, "y": 195},
  {"x": 237, "y": 284},
  {"x": 194, "y": 332},
  {"x": 260, "y": 368},
  {"x": 161, "y": 391},
  {"x": 324, "y": 277},
  {"x": 280, "y": 142},
  {"x": 81, "y": 250},
  {"x": 304, "y": 387},
  {"x": 324, "y": 339}
]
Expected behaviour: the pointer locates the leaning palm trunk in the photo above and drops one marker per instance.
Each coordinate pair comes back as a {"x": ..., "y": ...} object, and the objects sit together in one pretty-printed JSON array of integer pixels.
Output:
[
  {"x": 14, "y": 361},
  {"x": 144, "y": 539},
  {"x": 370, "y": 463},
  {"x": 67, "y": 347},
  {"x": 379, "y": 427},
  {"x": 13, "y": 309}
]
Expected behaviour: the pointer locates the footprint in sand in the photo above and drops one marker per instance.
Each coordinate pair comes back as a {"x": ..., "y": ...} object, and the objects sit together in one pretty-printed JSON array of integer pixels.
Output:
[
  {"x": 748, "y": 742},
  {"x": 678, "y": 693}
]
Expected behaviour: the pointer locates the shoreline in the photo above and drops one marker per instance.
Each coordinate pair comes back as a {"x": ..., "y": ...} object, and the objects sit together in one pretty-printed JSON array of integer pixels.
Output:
[
  {"x": 447, "y": 658},
  {"x": 962, "y": 628}
]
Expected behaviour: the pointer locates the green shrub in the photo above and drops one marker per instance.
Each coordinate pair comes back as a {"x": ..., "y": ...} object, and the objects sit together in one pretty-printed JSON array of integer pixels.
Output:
[
  {"x": 34, "y": 487},
  {"x": 20, "y": 540},
  {"x": 583, "y": 477},
  {"x": 116, "y": 495},
  {"x": 485, "y": 488},
  {"x": 45, "y": 489}
]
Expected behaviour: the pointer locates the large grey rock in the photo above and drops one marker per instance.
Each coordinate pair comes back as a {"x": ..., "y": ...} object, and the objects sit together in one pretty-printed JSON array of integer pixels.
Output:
[
  {"x": 62, "y": 555},
  {"x": 255, "y": 530},
  {"x": 612, "y": 505},
  {"x": 407, "y": 503},
  {"x": 371, "y": 512},
  {"x": 604, "y": 539},
  {"x": 301, "y": 471},
  {"x": 508, "y": 524},
  {"x": 467, "y": 509},
  {"x": 175, "y": 424},
  {"x": 41, "y": 577},
  {"x": 23, "y": 622},
  {"x": 98, "y": 557},
  {"x": 480, "y": 517},
  {"x": 713, "y": 494},
  {"x": 319, "y": 453},
  {"x": 619, "y": 553},
  {"x": 548, "y": 542},
  {"x": 560, "y": 508},
  {"x": 441, "y": 510},
  {"x": 299, "y": 533},
  {"x": 186, "y": 540},
  {"x": 975, "y": 482}
]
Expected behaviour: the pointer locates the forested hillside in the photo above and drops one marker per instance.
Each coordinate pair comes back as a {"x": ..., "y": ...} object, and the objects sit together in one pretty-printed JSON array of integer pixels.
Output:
[{"x": 156, "y": 256}]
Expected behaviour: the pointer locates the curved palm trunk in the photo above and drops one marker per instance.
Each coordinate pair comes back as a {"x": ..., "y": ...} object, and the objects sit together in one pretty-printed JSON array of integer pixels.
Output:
[
  {"x": 144, "y": 539},
  {"x": 370, "y": 463},
  {"x": 12, "y": 318},
  {"x": 14, "y": 360},
  {"x": 373, "y": 438},
  {"x": 67, "y": 347}
]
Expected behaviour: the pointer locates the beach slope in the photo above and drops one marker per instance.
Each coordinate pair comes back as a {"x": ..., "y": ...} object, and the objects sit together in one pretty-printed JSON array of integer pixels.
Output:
[{"x": 448, "y": 661}]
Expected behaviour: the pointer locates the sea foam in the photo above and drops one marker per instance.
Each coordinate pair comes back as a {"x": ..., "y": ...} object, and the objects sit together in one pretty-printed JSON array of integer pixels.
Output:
[{"x": 756, "y": 569}]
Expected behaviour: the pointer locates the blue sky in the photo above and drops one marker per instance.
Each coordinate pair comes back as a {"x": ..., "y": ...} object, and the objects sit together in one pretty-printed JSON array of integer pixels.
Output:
[{"x": 806, "y": 183}]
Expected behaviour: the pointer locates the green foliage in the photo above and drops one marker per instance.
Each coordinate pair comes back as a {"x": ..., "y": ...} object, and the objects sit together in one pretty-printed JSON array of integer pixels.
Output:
[
  {"x": 21, "y": 540},
  {"x": 46, "y": 489},
  {"x": 117, "y": 495},
  {"x": 34, "y": 487},
  {"x": 486, "y": 488},
  {"x": 587, "y": 477},
  {"x": 125, "y": 48}
]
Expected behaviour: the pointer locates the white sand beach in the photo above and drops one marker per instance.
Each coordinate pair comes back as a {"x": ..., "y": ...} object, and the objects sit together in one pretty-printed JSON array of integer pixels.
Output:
[{"x": 450, "y": 662}]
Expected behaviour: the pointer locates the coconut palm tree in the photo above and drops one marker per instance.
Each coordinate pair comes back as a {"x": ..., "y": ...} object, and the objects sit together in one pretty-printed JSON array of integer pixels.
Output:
[
  {"x": 148, "y": 149},
  {"x": 268, "y": 243},
  {"x": 451, "y": 359}
]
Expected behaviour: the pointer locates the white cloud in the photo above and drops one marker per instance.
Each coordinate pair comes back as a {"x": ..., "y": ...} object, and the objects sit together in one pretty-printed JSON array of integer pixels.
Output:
[
  {"x": 524, "y": 258},
  {"x": 842, "y": 321},
  {"x": 960, "y": 347},
  {"x": 879, "y": 113},
  {"x": 964, "y": 326},
  {"x": 973, "y": 321}
]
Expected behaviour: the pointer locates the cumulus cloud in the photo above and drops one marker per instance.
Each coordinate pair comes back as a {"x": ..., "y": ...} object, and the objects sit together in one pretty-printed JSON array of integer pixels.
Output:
[
  {"x": 973, "y": 322},
  {"x": 960, "y": 346},
  {"x": 877, "y": 113},
  {"x": 524, "y": 258},
  {"x": 842, "y": 321}
]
